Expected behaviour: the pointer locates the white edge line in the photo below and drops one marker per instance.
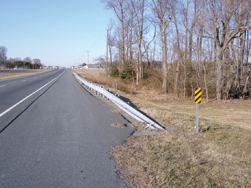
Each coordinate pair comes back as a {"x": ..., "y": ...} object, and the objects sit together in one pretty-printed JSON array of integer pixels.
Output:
[
  {"x": 9, "y": 109},
  {"x": 2, "y": 85}
]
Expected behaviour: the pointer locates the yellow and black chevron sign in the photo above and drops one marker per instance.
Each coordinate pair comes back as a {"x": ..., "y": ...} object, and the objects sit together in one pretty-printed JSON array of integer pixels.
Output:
[{"x": 197, "y": 95}]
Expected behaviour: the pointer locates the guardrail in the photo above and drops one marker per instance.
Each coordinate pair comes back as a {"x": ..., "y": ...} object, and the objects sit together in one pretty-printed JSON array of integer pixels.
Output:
[{"x": 120, "y": 103}]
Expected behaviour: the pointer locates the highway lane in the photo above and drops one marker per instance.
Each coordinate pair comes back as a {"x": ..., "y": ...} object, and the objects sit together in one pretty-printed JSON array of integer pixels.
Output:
[
  {"x": 13, "y": 90},
  {"x": 62, "y": 140}
]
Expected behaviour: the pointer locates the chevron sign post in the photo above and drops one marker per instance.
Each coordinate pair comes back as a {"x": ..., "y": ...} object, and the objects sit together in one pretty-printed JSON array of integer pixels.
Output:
[
  {"x": 197, "y": 101},
  {"x": 197, "y": 95}
]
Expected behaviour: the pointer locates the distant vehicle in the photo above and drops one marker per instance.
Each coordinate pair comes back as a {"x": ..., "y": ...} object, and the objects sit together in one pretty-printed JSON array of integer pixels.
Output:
[{"x": 2, "y": 67}]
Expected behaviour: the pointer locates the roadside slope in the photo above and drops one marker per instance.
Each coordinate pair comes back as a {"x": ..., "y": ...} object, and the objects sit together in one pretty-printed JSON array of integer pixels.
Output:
[{"x": 218, "y": 156}]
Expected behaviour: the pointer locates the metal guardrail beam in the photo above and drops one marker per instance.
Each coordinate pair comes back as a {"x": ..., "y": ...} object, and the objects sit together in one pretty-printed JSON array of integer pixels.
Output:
[{"x": 120, "y": 103}]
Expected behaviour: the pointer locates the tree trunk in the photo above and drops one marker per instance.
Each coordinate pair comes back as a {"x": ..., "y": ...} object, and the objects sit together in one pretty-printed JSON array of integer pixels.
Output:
[
  {"x": 122, "y": 35},
  {"x": 200, "y": 41},
  {"x": 139, "y": 61},
  {"x": 110, "y": 53},
  {"x": 176, "y": 86},
  {"x": 219, "y": 76},
  {"x": 106, "y": 58},
  {"x": 164, "y": 58},
  {"x": 186, "y": 37},
  {"x": 205, "y": 81},
  {"x": 245, "y": 90},
  {"x": 130, "y": 40},
  {"x": 191, "y": 31},
  {"x": 184, "y": 82},
  {"x": 238, "y": 75}
]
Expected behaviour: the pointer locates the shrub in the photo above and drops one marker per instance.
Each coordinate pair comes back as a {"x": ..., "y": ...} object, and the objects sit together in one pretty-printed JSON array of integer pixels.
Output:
[
  {"x": 127, "y": 73},
  {"x": 114, "y": 71}
]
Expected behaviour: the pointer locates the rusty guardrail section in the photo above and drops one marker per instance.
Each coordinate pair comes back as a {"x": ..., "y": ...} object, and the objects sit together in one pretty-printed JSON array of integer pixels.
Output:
[{"x": 120, "y": 103}]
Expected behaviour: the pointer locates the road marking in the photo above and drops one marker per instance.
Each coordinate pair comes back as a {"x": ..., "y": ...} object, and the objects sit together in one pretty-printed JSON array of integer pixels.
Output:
[
  {"x": 9, "y": 109},
  {"x": 23, "y": 80},
  {"x": 35, "y": 77},
  {"x": 2, "y": 85}
]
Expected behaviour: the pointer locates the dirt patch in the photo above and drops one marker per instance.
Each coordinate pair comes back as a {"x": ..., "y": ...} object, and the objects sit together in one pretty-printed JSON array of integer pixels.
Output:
[{"x": 121, "y": 125}]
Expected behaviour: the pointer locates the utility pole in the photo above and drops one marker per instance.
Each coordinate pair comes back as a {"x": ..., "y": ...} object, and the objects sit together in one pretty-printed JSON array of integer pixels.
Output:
[
  {"x": 106, "y": 59},
  {"x": 88, "y": 58}
]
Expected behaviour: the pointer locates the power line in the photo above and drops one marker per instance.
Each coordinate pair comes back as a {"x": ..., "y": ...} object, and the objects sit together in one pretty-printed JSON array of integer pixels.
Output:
[
  {"x": 101, "y": 36},
  {"x": 87, "y": 57}
]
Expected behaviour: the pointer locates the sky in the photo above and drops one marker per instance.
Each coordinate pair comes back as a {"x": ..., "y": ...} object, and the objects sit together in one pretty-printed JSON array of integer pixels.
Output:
[{"x": 58, "y": 32}]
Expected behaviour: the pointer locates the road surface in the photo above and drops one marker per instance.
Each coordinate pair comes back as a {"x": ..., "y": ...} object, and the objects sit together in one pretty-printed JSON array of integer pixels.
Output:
[
  {"x": 62, "y": 140},
  {"x": 13, "y": 90}
]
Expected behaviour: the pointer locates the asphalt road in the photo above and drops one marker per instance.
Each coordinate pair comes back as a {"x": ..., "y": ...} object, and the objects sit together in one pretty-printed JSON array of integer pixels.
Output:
[
  {"x": 13, "y": 90},
  {"x": 62, "y": 140}
]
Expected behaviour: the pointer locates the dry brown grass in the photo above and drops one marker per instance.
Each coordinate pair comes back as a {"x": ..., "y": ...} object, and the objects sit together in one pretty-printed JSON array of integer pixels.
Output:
[
  {"x": 218, "y": 156},
  {"x": 182, "y": 158},
  {"x": 4, "y": 75},
  {"x": 98, "y": 76}
]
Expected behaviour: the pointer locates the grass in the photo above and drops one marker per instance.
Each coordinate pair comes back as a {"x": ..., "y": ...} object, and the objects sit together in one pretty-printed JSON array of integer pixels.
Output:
[
  {"x": 218, "y": 156},
  {"x": 4, "y": 75}
]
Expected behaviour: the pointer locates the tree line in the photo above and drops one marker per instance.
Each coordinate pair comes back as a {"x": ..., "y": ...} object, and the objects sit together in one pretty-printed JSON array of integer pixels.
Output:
[
  {"x": 187, "y": 43},
  {"x": 26, "y": 63}
]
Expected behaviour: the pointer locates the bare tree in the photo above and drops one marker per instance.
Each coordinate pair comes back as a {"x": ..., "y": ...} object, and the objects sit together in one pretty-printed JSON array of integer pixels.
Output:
[
  {"x": 139, "y": 11},
  {"x": 3, "y": 57},
  {"x": 200, "y": 37},
  {"x": 111, "y": 40},
  {"x": 106, "y": 57},
  {"x": 36, "y": 61},
  {"x": 27, "y": 59},
  {"x": 226, "y": 28},
  {"x": 129, "y": 25},
  {"x": 177, "y": 48},
  {"x": 191, "y": 30},
  {"x": 164, "y": 11},
  {"x": 148, "y": 50},
  {"x": 209, "y": 47},
  {"x": 118, "y": 7},
  {"x": 27, "y": 63}
]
